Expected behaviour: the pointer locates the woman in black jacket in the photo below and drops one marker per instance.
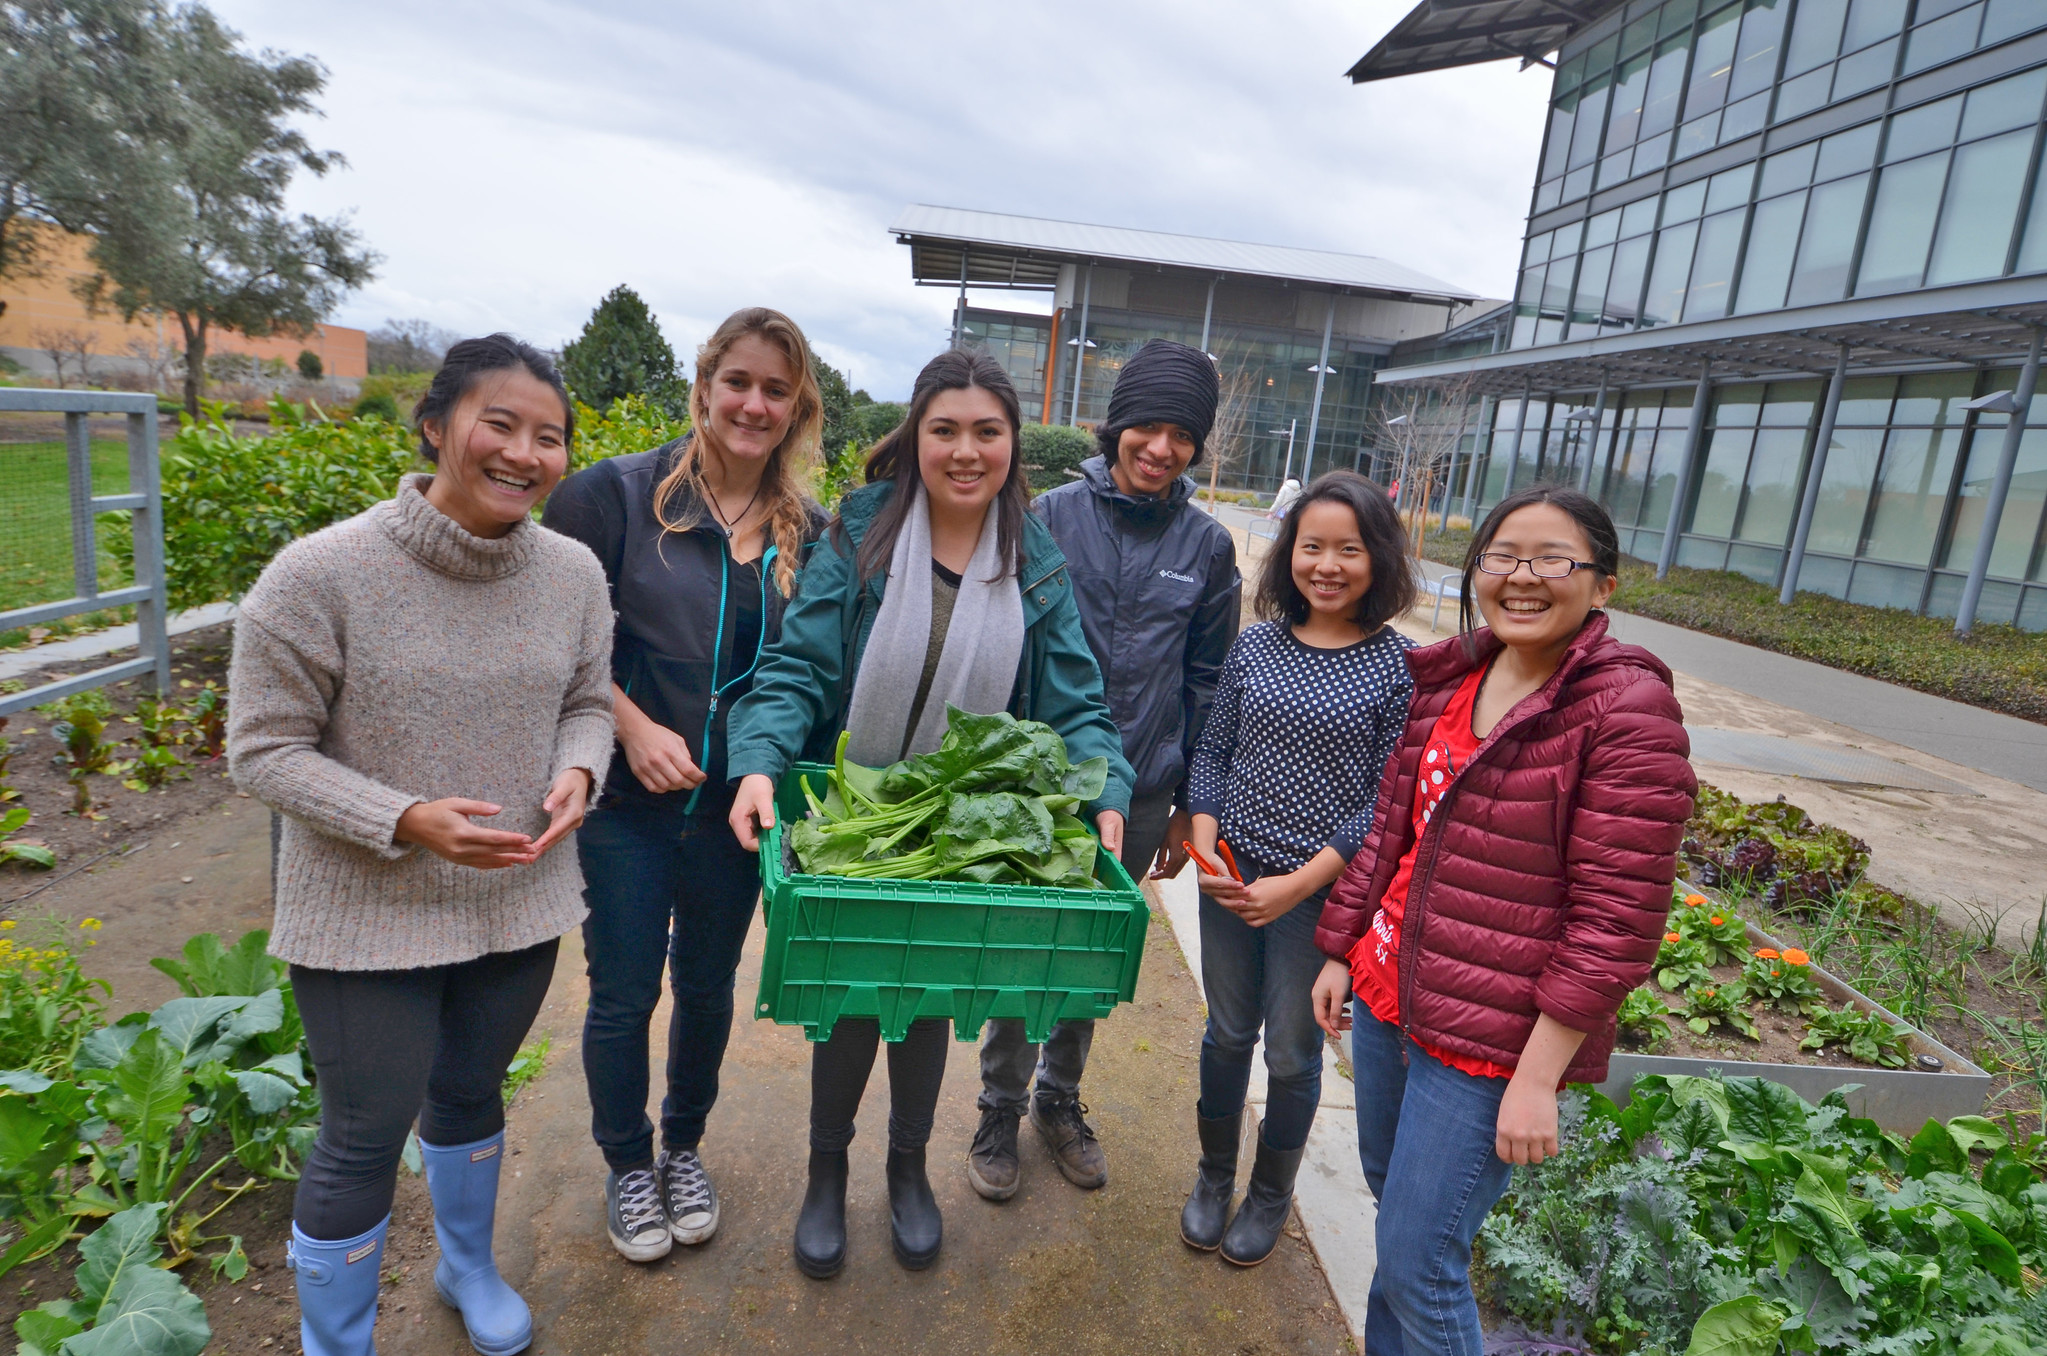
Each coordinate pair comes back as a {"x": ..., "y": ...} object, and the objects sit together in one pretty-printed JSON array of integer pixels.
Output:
[{"x": 700, "y": 539}]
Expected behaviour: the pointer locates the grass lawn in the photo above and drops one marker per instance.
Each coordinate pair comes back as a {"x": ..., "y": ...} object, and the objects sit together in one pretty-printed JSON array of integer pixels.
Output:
[
  {"x": 35, "y": 519},
  {"x": 2001, "y": 668}
]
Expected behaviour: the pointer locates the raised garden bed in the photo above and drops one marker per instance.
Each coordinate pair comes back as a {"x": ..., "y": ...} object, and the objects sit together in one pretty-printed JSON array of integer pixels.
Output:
[{"x": 1934, "y": 1082}]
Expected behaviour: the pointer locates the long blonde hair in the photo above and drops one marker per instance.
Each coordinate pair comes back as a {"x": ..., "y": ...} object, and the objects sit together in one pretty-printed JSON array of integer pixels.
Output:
[{"x": 787, "y": 473}]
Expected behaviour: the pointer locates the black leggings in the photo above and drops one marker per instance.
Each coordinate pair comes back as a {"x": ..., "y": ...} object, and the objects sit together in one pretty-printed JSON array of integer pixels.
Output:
[
  {"x": 838, "y": 1076},
  {"x": 392, "y": 1045}
]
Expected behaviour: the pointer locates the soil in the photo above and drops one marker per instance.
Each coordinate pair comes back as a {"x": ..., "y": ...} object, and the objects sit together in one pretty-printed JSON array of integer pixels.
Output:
[
  {"x": 1781, "y": 1031},
  {"x": 37, "y": 772}
]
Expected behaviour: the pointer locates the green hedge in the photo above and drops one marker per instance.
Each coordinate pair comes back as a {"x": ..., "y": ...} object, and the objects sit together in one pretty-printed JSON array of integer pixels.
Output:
[{"x": 1052, "y": 450}]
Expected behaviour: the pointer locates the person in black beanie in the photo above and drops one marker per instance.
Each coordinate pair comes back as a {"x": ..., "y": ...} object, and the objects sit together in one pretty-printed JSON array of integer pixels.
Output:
[{"x": 1156, "y": 579}]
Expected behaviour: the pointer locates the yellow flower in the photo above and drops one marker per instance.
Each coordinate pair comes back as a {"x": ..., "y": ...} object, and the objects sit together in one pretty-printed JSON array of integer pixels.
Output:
[
  {"x": 89, "y": 924},
  {"x": 7, "y": 926}
]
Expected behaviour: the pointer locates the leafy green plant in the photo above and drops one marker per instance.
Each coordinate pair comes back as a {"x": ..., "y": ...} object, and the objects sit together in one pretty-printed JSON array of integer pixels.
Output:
[
  {"x": 1706, "y": 1006},
  {"x": 128, "y": 1305},
  {"x": 1051, "y": 451},
  {"x": 157, "y": 766},
  {"x": 1867, "y": 1036},
  {"x": 81, "y": 727},
  {"x": 22, "y": 850},
  {"x": 1713, "y": 926},
  {"x": 527, "y": 1065},
  {"x": 1641, "y": 1020},
  {"x": 208, "y": 717},
  {"x": 994, "y": 803},
  {"x": 378, "y": 405},
  {"x": 7, "y": 792},
  {"x": 47, "y": 1004},
  {"x": 1783, "y": 978},
  {"x": 1682, "y": 962},
  {"x": 157, "y": 722},
  {"x": 834, "y": 478}
]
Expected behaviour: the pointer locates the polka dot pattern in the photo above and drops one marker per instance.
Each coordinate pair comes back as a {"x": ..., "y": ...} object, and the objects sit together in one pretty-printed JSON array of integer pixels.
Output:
[{"x": 1290, "y": 758}]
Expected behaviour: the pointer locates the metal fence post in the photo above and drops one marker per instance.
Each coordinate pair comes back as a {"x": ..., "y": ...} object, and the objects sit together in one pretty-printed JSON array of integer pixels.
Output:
[
  {"x": 1808, "y": 503},
  {"x": 85, "y": 572},
  {"x": 1694, "y": 433},
  {"x": 2000, "y": 486},
  {"x": 152, "y": 614}
]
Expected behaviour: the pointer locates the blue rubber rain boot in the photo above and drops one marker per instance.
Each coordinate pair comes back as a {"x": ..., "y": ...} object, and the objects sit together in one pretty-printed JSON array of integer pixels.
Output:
[
  {"x": 337, "y": 1285},
  {"x": 463, "y": 1180}
]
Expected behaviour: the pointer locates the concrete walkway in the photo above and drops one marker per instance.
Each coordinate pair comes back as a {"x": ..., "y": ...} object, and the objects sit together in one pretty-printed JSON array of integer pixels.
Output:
[{"x": 93, "y": 644}]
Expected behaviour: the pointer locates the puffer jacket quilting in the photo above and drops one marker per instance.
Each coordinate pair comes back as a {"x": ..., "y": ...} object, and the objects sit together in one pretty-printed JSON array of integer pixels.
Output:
[{"x": 1544, "y": 878}]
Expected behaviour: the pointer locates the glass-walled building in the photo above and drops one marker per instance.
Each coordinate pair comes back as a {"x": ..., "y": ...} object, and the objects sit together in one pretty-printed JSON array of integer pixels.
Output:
[
  {"x": 1297, "y": 335},
  {"x": 1755, "y": 218}
]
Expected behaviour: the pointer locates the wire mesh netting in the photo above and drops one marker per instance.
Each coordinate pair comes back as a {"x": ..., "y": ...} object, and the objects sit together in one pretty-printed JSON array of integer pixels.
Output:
[{"x": 35, "y": 520}]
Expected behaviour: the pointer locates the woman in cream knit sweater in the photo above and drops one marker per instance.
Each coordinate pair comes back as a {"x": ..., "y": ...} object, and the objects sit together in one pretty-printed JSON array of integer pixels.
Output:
[{"x": 424, "y": 692}]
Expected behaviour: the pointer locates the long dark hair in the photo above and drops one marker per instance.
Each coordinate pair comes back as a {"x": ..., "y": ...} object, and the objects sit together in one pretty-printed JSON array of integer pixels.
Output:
[
  {"x": 467, "y": 363},
  {"x": 894, "y": 459},
  {"x": 1392, "y": 590},
  {"x": 1591, "y": 517}
]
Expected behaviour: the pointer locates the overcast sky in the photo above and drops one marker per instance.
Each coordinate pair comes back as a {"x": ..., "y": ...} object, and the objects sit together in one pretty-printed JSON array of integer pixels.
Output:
[{"x": 515, "y": 160}]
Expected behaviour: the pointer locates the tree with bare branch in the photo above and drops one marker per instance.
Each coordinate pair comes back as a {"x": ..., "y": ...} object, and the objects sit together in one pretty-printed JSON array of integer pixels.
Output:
[
  {"x": 1418, "y": 431},
  {"x": 70, "y": 349},
  {"x": 1226, "y": 436}
]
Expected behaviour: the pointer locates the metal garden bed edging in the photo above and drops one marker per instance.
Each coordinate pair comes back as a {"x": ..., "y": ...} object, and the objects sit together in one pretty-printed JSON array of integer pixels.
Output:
[
  {"x": 1902, "y": 1100},
  {"x": 144, "y": 502}
]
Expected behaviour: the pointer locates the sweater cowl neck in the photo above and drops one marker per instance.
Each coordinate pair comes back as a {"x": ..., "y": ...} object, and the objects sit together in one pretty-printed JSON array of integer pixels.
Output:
[{"x": 440, "y": 543}]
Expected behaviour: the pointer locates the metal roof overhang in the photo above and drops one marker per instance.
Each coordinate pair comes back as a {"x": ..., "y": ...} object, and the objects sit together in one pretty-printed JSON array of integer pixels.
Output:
[
  {"x": 1968, "y": 325},
  {"x": 1440, "y": 34},
  {"x": 937, "y": 263}
]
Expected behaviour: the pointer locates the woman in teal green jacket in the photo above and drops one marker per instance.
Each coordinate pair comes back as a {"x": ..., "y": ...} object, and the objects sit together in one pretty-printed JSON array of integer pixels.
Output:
[{"x": 934, "y": 586}]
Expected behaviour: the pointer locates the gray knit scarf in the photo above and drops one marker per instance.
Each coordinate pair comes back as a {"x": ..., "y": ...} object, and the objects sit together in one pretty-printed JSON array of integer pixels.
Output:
[{"x": 976, "y": 667}]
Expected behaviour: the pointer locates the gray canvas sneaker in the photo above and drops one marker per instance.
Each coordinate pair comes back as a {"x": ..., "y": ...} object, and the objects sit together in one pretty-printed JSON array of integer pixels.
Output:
[
  {"x": 632, "y": 1210},
  {"x": 687, "y": 1195}
]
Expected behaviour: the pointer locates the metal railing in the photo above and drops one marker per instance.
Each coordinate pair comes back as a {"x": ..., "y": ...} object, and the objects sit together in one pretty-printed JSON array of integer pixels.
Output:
[{"x": 144, "y": 503}]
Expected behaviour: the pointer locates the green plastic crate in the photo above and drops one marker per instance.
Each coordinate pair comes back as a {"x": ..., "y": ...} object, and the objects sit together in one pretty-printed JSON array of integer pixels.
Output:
[{"x": 897, "y": 950}]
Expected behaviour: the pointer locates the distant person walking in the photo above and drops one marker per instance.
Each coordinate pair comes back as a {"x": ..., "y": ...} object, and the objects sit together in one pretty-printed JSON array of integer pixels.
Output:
[
  {"x": 700, "y": 540},
  {"x": 434, "y": 662},
  {"x": 1511, "y": 894},
  {"x": 1157, "y": 586},
  {"x": 1312, "y": 701},
  {"x": 934, "y": 587}
]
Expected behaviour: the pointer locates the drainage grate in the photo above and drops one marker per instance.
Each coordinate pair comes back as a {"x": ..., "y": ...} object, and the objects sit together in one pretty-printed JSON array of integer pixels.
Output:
[{"x": 1816, "y": 762}]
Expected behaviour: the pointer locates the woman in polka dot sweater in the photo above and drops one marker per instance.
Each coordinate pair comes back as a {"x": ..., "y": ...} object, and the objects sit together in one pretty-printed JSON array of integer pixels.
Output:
[{"x": 1311, "y": 704}]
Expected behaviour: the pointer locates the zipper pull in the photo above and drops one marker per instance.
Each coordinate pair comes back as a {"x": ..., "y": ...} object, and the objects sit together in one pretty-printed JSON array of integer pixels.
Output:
[{"x": 714, "y": 705}]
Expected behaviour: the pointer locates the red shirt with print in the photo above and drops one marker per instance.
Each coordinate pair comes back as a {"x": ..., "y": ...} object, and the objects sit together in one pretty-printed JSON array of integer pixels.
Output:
[{"x": 1375, "y": 960}]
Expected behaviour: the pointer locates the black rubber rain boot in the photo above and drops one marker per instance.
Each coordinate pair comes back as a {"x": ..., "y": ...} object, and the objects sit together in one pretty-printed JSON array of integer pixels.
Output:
[
  {"x": 915, "y": 1226},
  {"x": 1254, "y": 1233},
  {"x": 821, "y": 1228},
  {"x": 1215, "y": 1181}
]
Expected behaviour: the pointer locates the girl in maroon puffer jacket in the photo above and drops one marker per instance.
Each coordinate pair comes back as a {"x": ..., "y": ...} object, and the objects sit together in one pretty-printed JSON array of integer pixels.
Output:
[{"x": 1512, "y": 892}]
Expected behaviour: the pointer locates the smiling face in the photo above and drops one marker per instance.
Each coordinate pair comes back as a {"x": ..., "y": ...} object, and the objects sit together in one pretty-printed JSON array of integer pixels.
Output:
[
  {"x": 1331, "y": 565},
  {"x": 501, "y": 451},
  {"x": 965, "y": 446},
  {"x": 751, "y": 400},
  {"x": 1531, "y": 613},
  {"x": 1150, "y": 457}
]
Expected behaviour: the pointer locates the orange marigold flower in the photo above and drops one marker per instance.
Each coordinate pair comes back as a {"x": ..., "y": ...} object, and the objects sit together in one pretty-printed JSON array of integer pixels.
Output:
[
  {"x": 1695, "y": 901},
  {"x": 1672, "y": 937},
  {"x": 1707, "y": 993},
  {"x": 1766, "y": 953},
  {"x": 1716, "y": 920},
  {"x": 1795, "y": 956}
]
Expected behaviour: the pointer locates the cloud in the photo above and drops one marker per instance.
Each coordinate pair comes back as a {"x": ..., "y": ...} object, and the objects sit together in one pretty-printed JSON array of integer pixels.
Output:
[{"x": 514, "y": 161}]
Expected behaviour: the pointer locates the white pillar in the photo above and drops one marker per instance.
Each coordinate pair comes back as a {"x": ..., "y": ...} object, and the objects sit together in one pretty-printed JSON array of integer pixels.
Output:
[
  {"x": 1695, "y": 432},
  {"x": 1315, "y": 410},
  {"x": 1808, "y": 502},
  {"x": 2000, "y": 486},
  {"x": 1087, "y": 290}
]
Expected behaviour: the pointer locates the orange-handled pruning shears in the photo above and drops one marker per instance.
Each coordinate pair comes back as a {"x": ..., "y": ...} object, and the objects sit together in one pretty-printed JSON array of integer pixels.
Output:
[
  {"x": 1229, "y": 859},
  {"x": 1210, "y": 867}
]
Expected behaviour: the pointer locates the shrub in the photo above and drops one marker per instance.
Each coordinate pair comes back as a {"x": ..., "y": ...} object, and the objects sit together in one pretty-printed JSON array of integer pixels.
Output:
[
  {"x": 378, "y": 406},
  {"x": 622, "y": 352},
  {"x": 1050, "y": 451},
  {"x": 309, "y": 365}
]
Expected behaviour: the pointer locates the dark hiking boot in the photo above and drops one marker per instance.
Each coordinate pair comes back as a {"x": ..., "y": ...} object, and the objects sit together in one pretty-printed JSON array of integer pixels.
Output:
[
  {"x": 821, "y": 1227},
  {"x": 915, "y": 1226},
  {"x": 991, "y": 1159},
  {"x": 1207, "y": 1211},
  {"x": 1254, "y": 1233},
  {"x": 1064, "y": 1128}
]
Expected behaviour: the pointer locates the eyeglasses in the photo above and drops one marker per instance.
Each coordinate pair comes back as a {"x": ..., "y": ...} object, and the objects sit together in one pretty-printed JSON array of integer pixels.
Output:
[{"x": 1542, "y": 567}]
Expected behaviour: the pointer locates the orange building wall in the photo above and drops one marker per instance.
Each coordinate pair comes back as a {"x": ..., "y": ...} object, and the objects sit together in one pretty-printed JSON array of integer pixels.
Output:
[{"x": 46, "y": 302}]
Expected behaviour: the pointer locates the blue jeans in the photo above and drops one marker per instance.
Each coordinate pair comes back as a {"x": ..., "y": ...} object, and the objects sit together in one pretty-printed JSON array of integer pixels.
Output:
[
  {"x": 1425, "y": 1136},
  {"x": 1261, "y": 977},
  {"x": 659, "y": 887}
]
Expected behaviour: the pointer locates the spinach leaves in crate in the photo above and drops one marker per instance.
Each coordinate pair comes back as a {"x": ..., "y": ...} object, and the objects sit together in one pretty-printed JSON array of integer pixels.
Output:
[{"x": 996, "y": 802}]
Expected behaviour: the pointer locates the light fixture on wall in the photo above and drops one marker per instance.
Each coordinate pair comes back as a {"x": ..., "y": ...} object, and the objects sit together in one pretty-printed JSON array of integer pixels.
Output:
[
  {"x": 1581, "y": 416},
  {"x": 1073, "y": 343},
  {"x": 1319, "y": 368},
  {"x": 1997, "y": 402}
]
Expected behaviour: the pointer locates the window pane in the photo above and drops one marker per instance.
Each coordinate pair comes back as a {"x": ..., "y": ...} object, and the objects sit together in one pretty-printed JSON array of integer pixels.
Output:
[
  {"x": 1666, "y": 299},
  {"x": 1737, "y": 406},
  {"x": 1548, "y": 194},
  {"x": 2033, "y": 247},
  {"x": 2009, "y": 18},
  {"x": 1729, "y": 189},
  {"x": 1943, "y": 39},
  {"x": 1982, "y": 207},
  {"x": 1678, "y": 15},
  {"x": 1720, "y": 482},
  {"x": 1912, "y": 494},
  {"x": 1639, "y": 35},
  {"x": 1700, "y": 134},
  {"x": 2021, "y": 520},
  {"x": 1631, "y": 463},
  {"x": 1844, "y": 490},
  {"x": 1591, "y": 116},
  {"x": 1591, "y": 291},
  {"x": 1682, "y": 204},
  {"x": 2008, "y": 103},
  {"x": 1713, "y": 267},
  {"x": 1638, "y": 217},
  {"x": 1577, "y": 184},
  {"x": 1816, "y": 36},
  {"x": 1828, "y": 243},
  {"x": 1789, "y": 403},
  {"x": 1558, "y": 147},
  {"x": 1901, "y": 226},
  {"x": 1847, "y": 152},
  {"x": 1556, "y": 289},
  {"x": 1766, "y": 270},
  {"x": 1755, "y": 57},
  {"x": 1662, "y": 476},
  {"x": 1931, "y": 128},
  {"x": 1666, "y": 84},
  {"x": 1803, "y": 94},
  {"x": 1792, "y": 169},
  {"x": 1772, "y": 486},
  {"x": 1866, "y": 69},
  {"x": 1866, "y": 400},
  {"x": 1602, "y": 229},
  {"x": 1869, "y": 20},
  {"x": 1625, "y": 120},
  {"x": 1624, "y": 293},
  {"x": 1934, "y": 399},
  {"x": 1712, "y": 62},
  {"x": 1929, "y": 10},
  {"x": 1745, "y": 117},
  {"x": 1650, "y": 154}
]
